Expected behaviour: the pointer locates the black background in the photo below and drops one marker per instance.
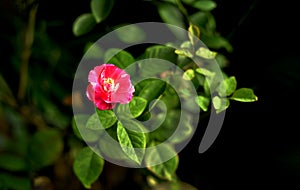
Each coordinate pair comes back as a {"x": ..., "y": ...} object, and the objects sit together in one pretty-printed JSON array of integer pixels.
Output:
[{"x": 258, "y": 146}]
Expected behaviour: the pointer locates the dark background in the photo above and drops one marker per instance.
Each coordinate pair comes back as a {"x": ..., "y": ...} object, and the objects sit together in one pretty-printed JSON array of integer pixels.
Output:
[{"x": 258, "y": 146}]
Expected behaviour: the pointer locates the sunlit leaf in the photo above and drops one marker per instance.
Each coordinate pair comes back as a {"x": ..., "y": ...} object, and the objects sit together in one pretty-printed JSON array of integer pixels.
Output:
[
  {"x": 137, "y": 106},
  {"x": 133, "y": 142},
  {"x": 188, "y": 74},
  {"x": 244, "y": 95},
  {"x": 220, "y": 104},
  {"x": 88, "y": 166},
  {"x": 206, "y": 53},
  {"x": 203, "y": 102}
]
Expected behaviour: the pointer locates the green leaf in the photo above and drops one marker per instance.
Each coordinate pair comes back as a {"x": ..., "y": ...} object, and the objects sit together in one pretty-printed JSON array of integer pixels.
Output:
[
  {"x": 220, "y": 104},
  {"x": 153, "y": 90},
  {"x": 133, "y": 142},
  {"x": 118, "y": 57},
  {"x": 161, "y": 52},
  {"x": 12, "y": 162},
  {"x": 205, "y": 5},
  {"x": 93, "y": 51},
  {"x": 227, "y": 86},
  {"x": 45, "y": 147},
  {"x": 244, "y": 95},
  {"x": 184, "y": 52},
  {"x": 171, "y": 15},
  {"x": 188, "y": 74},
  {"x": 83, "y": 24},
  {"x": 102, "y": 119},
  {"x": 101, "y": 9},
  {"x": 205, "y": 72},
  {"x": 216, "y": 42},
  {"x": 203, "y": 102},
  {"x": 167, "y": 167},
  {"x": 81, "y": 131},
  {"x": 88, "y": 166},
  {"x": 199, "y": 18},
  {"x": 12, "y": 182},
  {"x": 206, "y": 53},
  {"x": 131, "y": 34},
  {"x": 137, "y": 106}
]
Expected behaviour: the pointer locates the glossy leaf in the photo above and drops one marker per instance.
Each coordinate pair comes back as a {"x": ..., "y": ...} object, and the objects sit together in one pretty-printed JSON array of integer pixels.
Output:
[
  {"x": 118, "y": 57},
  {"x": 153, "y": 90},
  {"x": 203, "y": 102},
  {"x": 133, "y": 142},
  {"x": 244, "y": 95},
  {"x": 88, "y": 166},
  {"x": 228, "y": 86},
  {"x": 101, "y": 9},
  {"x": 83, "y": 24},
  {"x": 167, "y": 167},
  {"x": 137, "y": 106},
  {"x": 45, "y": 147},
  {"x": 100, "y": 120}
]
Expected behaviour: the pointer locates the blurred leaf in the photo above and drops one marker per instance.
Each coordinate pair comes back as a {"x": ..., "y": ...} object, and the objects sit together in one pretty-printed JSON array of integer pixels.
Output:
[
  {"x": 220, "y": 104},
  {"x": 83, "y": 24},
  {"x": 88, "y": 166},
  {"x": 133, "y": 141},
  {"x": 137, "y": 106},
  {"x": 165, "y": 170},
  {"x": 205, "y": 72},
  {"x": 188, "y": 74},
  {"x": 206, "y": 53},
  {"x": 12, "y": 162},
  {"x": 194, "y": 34},
  {"x": 118, "y": 57},
  {"x": 204, "y": 5},
  {"x": 171, "y": 15},
  {"x": 168, "y": 126},
  {"x": 203, "y": 102},
  {"x": 93, "y": 51},
  {"x": 221, "y": 60},
  {"x": 11, "y": 182},
  {"x": 101, "y": 9},
  {"x": 199, "y": 19},
  {"x": 81, "y": 131},
  {"x": 131, "y": 34},
  {"x": 244, "y": 95},
  {"x": 45, "y": 147},
  {"x": 217, "y": 42}
]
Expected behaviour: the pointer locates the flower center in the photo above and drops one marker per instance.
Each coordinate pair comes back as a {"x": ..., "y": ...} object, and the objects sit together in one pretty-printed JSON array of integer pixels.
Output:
[{"x": 109, "y": 85}]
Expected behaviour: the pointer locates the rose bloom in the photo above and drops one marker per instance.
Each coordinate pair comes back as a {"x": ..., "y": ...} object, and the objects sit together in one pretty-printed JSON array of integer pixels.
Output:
[{"x": 109, "y": 85}]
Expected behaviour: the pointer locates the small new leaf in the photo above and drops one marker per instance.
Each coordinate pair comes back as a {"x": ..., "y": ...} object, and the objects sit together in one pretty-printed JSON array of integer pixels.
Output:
[
  {"x": 83, "y": 24},
  {"x": 244, "y": 95}
]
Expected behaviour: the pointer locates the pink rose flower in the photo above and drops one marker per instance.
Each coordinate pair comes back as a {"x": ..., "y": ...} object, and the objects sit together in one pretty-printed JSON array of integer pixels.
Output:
[{"x": 109, "y": 85}]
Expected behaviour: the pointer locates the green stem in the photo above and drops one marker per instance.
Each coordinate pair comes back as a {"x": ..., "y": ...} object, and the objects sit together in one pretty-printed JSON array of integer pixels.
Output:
[{"x": 26, "y": 53}]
